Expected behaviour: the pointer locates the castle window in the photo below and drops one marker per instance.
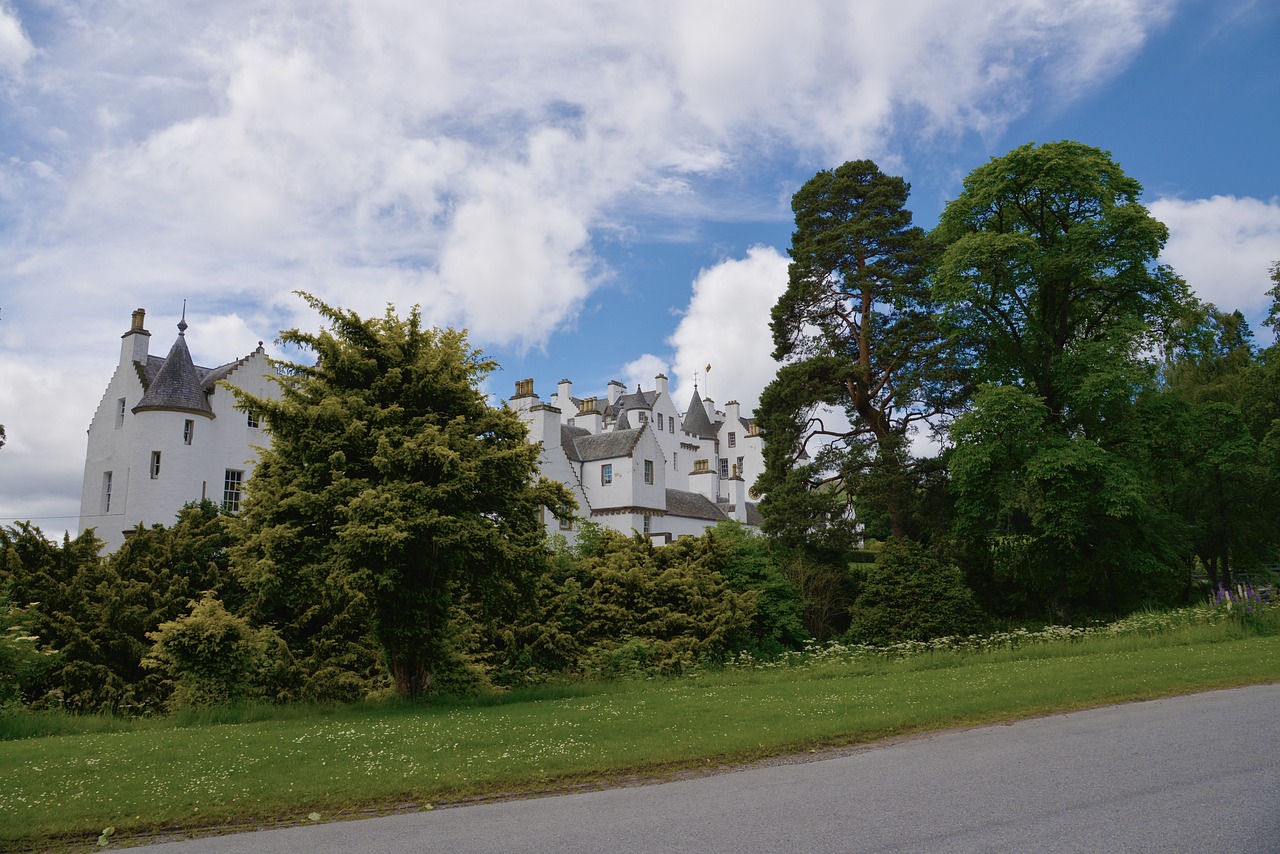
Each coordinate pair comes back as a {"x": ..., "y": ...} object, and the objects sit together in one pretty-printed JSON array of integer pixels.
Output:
[
  {"x": 232, "y": 485},
  {"x": 606, "y": 474},
  {"x": 724, "y": 467},
  {"x": 648, "y": 471},
  {"x": 566, "y": 524},
  {"x": 659, "y": 420},
  {"x": 741, "y": 471},
  {"x": 675, "y": 460},
  {"x": 252, "y": 418},
  {"x": 648, "y": 524},
  {"x": 119, "y": 413},
  {"x": 188, "y": 431},
  {"x": 106, "y": 492},
  {"x": 155, "y": 464},
  {"x": 671, "y": 422},
  {"x": 733, "y": 439}
]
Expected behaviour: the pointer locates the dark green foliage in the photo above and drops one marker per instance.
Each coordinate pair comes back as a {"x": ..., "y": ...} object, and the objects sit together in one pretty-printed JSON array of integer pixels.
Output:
[
  {"x": 390, "y": 487},
  {"x": 96, "y": 612},
  {"x": 1049, "y": 265},
  {"x": 22, "y": 661},
  {"x": 825, "y": 586},
  {"x": 856, "y": 332},
  {"x": 749, "y": 565},
  {"x": 621, "y": 606},
  {"x": 1049, "y": 283},
  {"x": 908, "y": 594}
]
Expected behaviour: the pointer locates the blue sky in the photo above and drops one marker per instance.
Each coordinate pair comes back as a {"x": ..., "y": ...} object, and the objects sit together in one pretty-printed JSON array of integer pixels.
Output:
[{"x": 596, "y": 190}]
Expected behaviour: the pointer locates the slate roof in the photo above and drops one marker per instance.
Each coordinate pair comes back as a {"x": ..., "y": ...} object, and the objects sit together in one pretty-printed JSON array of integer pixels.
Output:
[
  {"x": 176, "y": 384},
  {"x": 753, "y": 513},
  {"x": 623, "y": 423},
  {"x": 692, "y": 505},
  {"x": 635, "y": 400},
  {"x": 568, "y": 439},
  {"x": 695, "y": 421},
  {"x": 605, "y": 446}
]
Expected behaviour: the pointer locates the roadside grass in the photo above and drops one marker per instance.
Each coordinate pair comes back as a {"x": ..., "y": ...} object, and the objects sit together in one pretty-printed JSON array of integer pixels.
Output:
[{"x": 258, "y": 766}]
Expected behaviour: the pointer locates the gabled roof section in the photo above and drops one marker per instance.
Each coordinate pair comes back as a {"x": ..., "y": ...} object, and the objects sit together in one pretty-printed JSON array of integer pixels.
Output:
[
  {"x": 692, "y": 505},
  {"x": 211, "y": 376},
  {"x": 696, "y": 421},
  {"x": 623, "y": 423},
  {"x": 177, "y": 385},
  {"x": 607, "y": 446},
  {"x": 568, "y": 440}
]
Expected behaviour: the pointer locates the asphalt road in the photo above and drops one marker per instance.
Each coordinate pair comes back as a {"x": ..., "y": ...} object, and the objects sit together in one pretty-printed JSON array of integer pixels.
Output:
[{"x": 1187, "y": 774}]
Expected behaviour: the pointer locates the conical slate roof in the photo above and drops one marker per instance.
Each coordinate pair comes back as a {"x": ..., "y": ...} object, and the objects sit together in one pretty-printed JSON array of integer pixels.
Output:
[
  {"x": 623, "y": 423},
  {"x": 696, "y": 422},
  {"x": 177, "y": 386}
]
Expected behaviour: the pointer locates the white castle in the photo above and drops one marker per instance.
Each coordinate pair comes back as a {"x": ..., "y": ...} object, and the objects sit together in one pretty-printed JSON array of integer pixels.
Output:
[
  {"x": 165, "y": 434},
  {"x": 636, "y": 464}
]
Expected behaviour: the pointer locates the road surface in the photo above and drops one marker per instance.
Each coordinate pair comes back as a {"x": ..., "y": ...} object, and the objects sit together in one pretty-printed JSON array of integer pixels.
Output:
[{"x": 1187, "y": 774}]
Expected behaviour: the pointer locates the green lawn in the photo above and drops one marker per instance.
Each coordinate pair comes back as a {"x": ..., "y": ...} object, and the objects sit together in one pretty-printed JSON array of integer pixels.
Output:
[{"x": 157, "y": 774}]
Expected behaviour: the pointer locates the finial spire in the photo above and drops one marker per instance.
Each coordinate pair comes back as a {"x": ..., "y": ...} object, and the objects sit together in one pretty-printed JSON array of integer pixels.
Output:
[{"x": 182, "y": 324}]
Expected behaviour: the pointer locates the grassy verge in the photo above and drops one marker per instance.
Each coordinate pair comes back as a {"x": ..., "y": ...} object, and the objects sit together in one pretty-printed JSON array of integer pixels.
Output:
[{"x": 155, "y": 775}]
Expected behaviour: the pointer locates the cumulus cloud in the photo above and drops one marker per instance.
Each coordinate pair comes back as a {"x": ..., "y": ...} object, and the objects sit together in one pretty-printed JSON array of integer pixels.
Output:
[
  {"x": 1224, "y": 247},
  {"x": 462, "y": 156},
  {"x": 642, "y": 370},
  {"x": 726, "y": 325}
]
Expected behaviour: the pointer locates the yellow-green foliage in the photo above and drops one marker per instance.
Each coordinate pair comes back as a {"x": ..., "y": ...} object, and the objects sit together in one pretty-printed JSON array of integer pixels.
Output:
[{"x": 210, "y": 654}]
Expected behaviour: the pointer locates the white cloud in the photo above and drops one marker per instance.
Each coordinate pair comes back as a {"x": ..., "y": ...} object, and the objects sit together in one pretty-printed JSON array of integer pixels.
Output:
[
  {"x": 642, "y": 370},
  {"x": 461, "y": 156},
  {"x": 15, "y": 47},
  {"x": 727, "y": 326},
  {"x": 1224, "y": 247}
]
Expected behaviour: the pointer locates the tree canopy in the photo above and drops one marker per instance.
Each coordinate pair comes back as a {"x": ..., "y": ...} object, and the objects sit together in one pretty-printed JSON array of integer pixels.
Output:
[
  {"x": 1049, "y": 267},
  {"x": 391, "y": 484},
  {"x": 854, "y": 331}
]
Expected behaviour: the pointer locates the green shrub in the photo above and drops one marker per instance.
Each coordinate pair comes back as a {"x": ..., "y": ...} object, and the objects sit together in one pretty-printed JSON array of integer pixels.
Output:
[
  {"x": 211, "y": 655},
  {"x": 910, "y": 595}
]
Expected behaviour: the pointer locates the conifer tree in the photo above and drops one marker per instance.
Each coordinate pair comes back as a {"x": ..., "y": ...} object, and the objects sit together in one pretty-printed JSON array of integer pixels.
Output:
[{"x": 390, "y": 481}]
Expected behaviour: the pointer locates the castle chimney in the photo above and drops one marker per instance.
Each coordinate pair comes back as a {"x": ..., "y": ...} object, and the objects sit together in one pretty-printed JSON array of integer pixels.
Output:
[{"x": 136, "y": 342}]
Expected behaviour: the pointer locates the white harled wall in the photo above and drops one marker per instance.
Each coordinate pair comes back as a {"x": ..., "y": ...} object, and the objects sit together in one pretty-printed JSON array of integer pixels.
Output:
[{"x": 187, "y": 472}]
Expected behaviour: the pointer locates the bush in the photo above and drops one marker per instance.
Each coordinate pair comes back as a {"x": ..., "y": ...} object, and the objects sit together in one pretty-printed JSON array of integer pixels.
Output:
[
  {"x": 910, "y": 595},
  {"x": 212, "y": 656}
]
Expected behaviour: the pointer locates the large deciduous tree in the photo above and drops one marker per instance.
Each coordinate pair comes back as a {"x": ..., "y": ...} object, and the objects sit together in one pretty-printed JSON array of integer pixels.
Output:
[
  {"x": 1049, "y": 266},
  {"x": 855, "y": 331},
  {"x": 1049, "y": 283},
  {"x": 390, "y": 481}
]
